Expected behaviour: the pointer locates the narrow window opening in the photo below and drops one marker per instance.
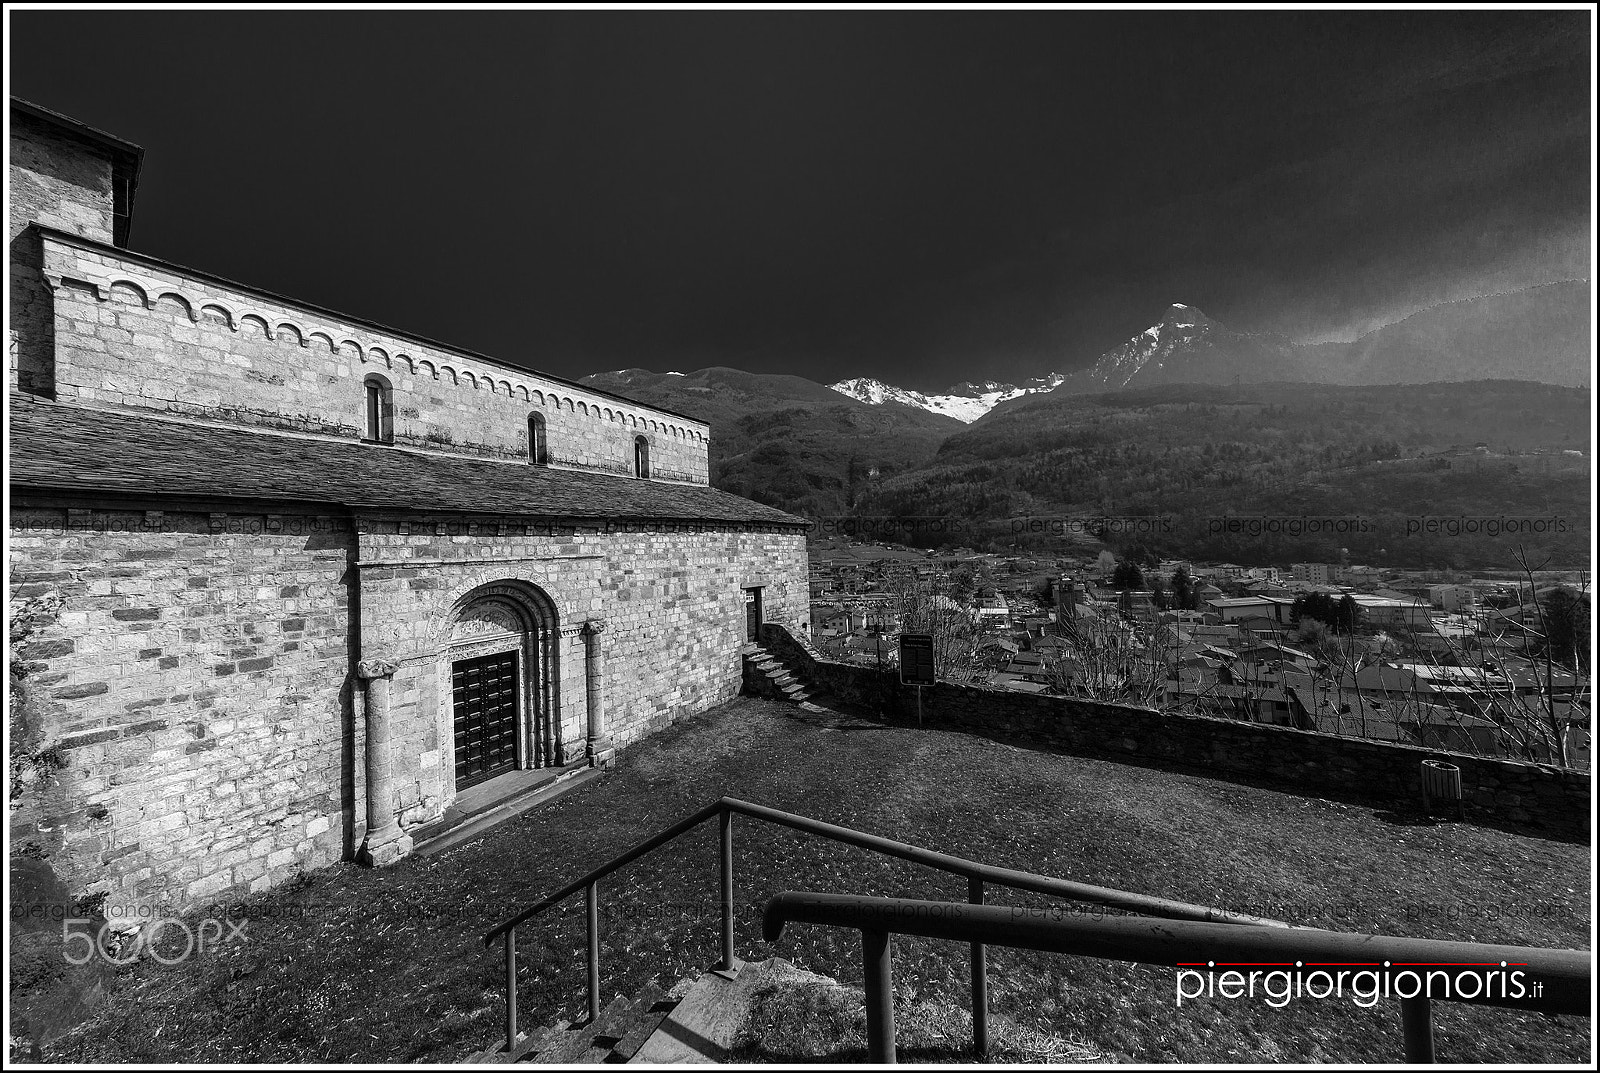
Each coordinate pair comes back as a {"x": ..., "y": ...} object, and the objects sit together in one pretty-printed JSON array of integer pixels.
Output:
[
  {"x": 641, "y": 457},
  {"x": 537, "y": 453},
  {"x": 379, "y": 411}
]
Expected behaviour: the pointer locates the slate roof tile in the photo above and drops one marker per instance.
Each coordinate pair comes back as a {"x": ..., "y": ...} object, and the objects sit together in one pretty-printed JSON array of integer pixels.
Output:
[{"x": 73, "y": 448}]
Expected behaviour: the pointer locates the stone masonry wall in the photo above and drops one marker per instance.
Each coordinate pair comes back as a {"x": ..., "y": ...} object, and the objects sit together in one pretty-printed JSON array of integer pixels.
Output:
[
  {"x": 131, "y": 332},
  {"x": 194, "y": 683},
  {"x": 671, "y": 598},
  {"x": 197, "y": 681},
  {"x": 63, "y": 182},
  {"x": 1534, "y": 797}
]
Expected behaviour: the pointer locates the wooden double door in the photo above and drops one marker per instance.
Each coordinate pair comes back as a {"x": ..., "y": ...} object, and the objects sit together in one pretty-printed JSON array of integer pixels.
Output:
[{"x": 485, "y": 695}]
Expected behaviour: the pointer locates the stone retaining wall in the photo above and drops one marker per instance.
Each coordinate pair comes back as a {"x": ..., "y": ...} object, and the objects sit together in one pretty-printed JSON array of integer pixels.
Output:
[{"x": 1534, "y": 798}]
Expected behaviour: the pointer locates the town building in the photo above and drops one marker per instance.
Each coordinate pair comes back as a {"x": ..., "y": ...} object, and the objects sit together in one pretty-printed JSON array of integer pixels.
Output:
[
  {"x": 993, "y": 613},
  {"x": 1243, "y": 608},
  {"x": 1453, "y": 597},
  {"x": 1395, "y": 613},
  {"x": 293, "y": 581},
  {"x": 1308, "y": 574}
]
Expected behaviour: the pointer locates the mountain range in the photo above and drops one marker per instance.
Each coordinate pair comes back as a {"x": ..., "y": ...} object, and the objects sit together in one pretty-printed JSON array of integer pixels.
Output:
[
  {"x": 966, "y": 402},
  {"x": 1540, "y": 335},
  {"x": 787, "y": 441},
  {"x": 1189, "y": 418}
]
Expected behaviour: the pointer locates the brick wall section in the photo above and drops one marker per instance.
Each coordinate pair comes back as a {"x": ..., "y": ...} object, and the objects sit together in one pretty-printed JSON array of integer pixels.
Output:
[
  {"x": 132, "y": 333},
  {"x": 195, "y": 680},
  {"x": 1531, "y": 797},
  {"x": 198, "y": 677},
  {"x": 66, "y": 183}
]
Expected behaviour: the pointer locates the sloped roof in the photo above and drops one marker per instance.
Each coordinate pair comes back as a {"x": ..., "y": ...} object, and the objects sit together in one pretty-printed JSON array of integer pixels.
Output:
[
  {"x": 71, "y": 448},
  {"x": 127, "y": 159}
]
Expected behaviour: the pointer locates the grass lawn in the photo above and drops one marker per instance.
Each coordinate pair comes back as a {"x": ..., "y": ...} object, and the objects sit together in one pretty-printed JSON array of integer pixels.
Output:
[{"x": 356, "y": 965}]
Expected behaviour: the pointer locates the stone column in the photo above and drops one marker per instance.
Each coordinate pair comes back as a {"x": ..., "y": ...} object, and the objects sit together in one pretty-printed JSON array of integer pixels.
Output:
[
  {"x": 601, "y": 751},
  {"x": 385, "y": 842}
]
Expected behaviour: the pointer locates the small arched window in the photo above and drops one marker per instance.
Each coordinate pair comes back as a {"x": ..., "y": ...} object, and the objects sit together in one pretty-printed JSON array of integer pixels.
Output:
[
  {"x": 537, "y": 453},
  {"x": 379, "y": 410},
  {"x": 641, "y": 457}
]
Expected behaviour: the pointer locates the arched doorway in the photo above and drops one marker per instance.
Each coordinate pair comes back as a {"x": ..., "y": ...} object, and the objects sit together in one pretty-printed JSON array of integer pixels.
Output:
[{"x": 500, "y": 683}]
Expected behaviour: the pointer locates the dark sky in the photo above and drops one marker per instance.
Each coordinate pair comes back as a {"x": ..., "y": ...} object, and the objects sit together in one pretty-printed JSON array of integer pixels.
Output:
[{"x": 923, "y": 197}]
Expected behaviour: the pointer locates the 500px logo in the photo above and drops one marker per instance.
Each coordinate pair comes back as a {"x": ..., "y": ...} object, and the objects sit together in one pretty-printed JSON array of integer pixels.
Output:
[{"x": 81, "y": 947}]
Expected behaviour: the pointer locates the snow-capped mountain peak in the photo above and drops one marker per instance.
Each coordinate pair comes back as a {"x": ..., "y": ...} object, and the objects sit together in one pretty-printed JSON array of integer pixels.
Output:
[
  {"x": 1179, "y": 328},
  {"x": 965, "y": 402}
]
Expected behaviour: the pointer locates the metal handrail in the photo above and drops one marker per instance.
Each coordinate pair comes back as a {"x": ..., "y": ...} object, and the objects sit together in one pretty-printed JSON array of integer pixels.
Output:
[
  {"x": 683, "y": 826},
  {"x": 976, "y": 873},
  {"x": 1005, "y": 877},
  {"x": 1553, "y": 981}
]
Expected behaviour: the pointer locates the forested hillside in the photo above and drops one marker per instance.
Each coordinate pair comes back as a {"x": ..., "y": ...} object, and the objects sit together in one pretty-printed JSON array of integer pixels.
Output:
[{"x": 1189, "y": 457}]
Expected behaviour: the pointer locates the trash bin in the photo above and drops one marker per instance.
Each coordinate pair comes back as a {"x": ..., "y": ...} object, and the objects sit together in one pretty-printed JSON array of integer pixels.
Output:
[{"x": 1441, "y": 782}]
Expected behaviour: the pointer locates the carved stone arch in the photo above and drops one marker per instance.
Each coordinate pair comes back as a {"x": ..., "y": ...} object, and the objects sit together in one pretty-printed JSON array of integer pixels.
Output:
[
  {"x": 428, "y": 367},
  {"x": 355, "y": 349},
  {"x": 470, "y": 378},
  {"x": 508, "y": 388},
  {"x": 257, "y": 321},
  {"x": 583, "y": 408},
  {"x": 525, "y": 396},
  {"x": 178, "y": 301},
  {"x": 219, "y": 314},
  {"x": 499, "y": 620},
  {"x": 324, "y": 337},
  {"x": 379, "y": 355},
  {"x": 287, "y": 331},
  {"x": 454, "y": 376},
  {"x": 128, "y": 290}
]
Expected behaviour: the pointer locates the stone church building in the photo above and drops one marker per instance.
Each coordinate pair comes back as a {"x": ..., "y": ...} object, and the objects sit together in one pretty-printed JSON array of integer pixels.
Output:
[{"x": 292, "y": 581}]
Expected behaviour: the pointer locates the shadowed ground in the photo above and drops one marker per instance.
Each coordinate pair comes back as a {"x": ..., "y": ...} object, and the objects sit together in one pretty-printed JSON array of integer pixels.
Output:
[{"x": 359, "y": 965}]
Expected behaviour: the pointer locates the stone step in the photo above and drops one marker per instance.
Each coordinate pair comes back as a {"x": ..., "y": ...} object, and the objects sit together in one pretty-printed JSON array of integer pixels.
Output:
[
  {"x": 571, "y": 1045},
  {"x": 705, "y": 1025},
  {"x": 437, "y": 838},
  {"x": 612, "y": 1039},
  {"x": 653, "y": 1008},
  {"x": 527, "y": 1043},
  {"x": 629, "y": 1027}
]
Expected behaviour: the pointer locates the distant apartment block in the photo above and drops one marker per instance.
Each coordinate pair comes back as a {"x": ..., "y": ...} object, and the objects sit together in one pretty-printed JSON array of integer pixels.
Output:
[
  {"x": 1453, "y": 597},
  {"x": 1321, "y": 573}
]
